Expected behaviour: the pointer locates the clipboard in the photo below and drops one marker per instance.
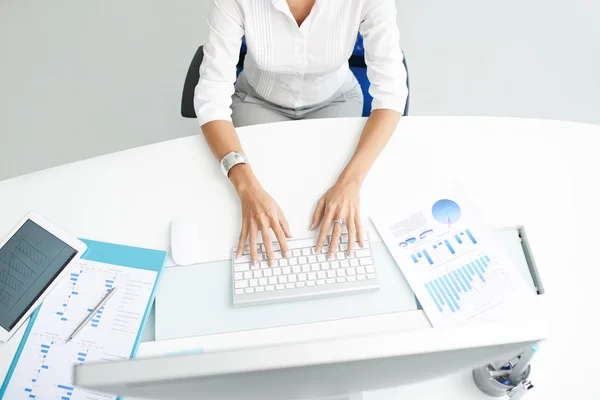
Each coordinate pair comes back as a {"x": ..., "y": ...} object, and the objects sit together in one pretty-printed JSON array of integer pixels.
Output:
[{"x": 108, "y": 253}]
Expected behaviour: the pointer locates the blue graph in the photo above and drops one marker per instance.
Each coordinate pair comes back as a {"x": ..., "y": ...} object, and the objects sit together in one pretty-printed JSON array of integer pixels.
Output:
[
  {"x": 74, "y": 278},
  {"x": 446, "y": 211},
  {"x": 441, "y": 250},
  {"x": 448, "y": 290},
  {"x": 44, "y": 350}
]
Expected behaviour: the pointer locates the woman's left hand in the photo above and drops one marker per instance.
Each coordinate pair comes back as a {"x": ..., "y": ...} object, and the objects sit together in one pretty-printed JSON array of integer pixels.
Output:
[{"x": 342, "y": 201}]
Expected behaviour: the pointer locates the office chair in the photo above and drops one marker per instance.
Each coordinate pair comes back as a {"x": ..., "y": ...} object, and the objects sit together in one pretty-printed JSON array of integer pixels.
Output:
[{"x": 357, "y": 64}]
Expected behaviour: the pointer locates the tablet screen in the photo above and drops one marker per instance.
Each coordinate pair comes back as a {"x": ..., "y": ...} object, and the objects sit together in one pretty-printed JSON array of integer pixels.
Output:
[{"x": 29, "y": 262}]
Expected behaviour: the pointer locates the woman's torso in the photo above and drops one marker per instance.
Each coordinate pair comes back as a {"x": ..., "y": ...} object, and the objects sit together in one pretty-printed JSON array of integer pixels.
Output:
[{"x": 299, "y": 66}]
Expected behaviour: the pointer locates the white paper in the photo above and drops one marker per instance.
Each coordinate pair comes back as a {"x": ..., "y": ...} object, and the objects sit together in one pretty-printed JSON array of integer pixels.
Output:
[
  {"x": 451, "y": 261},
  {"x": 46, "y": 363}
]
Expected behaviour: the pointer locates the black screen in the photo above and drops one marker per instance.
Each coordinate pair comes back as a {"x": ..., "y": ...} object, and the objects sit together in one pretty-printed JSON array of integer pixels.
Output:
[{"x": 29, "y": 262}]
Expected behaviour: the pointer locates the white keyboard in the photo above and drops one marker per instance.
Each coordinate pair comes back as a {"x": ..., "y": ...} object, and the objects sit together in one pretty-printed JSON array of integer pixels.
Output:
[{"x": 304, "y": 274}]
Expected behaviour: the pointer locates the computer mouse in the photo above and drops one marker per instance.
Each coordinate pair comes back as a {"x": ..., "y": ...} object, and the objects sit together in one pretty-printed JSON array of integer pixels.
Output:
[{"x": 185, "y": 241}]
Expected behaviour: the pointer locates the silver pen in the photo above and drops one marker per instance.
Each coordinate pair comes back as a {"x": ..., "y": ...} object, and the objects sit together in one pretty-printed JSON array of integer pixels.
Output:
[{"x": 91, "y": 315}]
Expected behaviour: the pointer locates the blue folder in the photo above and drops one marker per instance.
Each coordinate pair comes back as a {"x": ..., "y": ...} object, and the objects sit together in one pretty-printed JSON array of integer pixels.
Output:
[{"x": 108, "y": 253}]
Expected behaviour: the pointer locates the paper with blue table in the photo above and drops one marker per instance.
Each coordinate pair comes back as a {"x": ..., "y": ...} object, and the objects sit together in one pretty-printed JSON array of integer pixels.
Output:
[
  {"x": 43, "y": 365},
  {"x": 452, "y": 262}
]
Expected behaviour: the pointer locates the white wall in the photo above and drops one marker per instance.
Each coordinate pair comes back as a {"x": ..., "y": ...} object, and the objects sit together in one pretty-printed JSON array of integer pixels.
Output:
[{"x": 83, "y": 78}]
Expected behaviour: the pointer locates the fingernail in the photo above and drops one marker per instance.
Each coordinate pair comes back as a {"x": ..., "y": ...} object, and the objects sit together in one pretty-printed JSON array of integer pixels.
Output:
[
  {"x": 331, "y": 257},
  {"x": 311, "y": 226}
]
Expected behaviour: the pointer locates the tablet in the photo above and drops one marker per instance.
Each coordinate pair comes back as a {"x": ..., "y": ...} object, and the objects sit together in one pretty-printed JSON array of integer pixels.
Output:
[{"x": 33, "y": 258}]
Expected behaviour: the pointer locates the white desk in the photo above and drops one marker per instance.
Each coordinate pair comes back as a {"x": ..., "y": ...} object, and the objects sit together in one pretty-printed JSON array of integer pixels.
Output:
[{"x": 537, "y": 173}]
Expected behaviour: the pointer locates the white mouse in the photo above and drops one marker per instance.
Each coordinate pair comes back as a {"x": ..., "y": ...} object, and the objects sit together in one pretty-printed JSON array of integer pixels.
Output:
[{"x": 185, "y": 241}]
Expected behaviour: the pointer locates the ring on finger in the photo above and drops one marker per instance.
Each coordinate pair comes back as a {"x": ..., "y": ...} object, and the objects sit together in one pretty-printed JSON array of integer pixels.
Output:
[{"x": 339, "y": 221}]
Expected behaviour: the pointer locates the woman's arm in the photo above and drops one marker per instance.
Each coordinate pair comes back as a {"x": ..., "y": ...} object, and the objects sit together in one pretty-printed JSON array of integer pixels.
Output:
[
  {"x": 387, "y": 76},
  {"x": 212, "y": 102}
]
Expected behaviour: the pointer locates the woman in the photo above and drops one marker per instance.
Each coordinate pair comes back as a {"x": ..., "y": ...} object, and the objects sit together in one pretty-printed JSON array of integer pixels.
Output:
[{"x": 297, "y": 67}]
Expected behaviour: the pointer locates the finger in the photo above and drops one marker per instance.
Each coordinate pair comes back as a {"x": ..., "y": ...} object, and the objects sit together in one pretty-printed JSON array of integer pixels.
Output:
[
  {"x": 280, "y": 235},
  {"x": 264, "y": 229},
  {"x": 318, "y": 214},
  {"x": 324, "y": 229},
  {"x": 335, "y": 238},
  {"x": 242, "y": 241},
  {"x": 283, "y": 222},
  {"x": 253, "y": 246},
  {"x": 359, "y": 231},
  {"x": 351, "y": 235}
]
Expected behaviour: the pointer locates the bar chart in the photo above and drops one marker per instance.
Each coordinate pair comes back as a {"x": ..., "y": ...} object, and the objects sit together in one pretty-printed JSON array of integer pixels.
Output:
[
  {"x": 443, "y": 250},
  {"x": 447, "y": 291},
  {"x": 44, "y": 350},
  {"x": 73, "y": 279}
]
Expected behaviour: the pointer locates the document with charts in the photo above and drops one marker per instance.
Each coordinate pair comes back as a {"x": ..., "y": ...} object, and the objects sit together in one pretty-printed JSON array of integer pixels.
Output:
[
  {"x": 452, "y": 263},
  {"x": 45, "y": 366}
]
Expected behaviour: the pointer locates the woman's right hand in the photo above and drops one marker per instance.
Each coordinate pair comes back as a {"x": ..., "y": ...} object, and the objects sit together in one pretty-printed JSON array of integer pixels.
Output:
[{"x": 260, "y": 213}]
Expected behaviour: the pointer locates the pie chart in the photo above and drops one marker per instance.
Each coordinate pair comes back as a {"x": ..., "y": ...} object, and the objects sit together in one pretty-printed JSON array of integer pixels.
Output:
[{"x": 446, "y": 211}]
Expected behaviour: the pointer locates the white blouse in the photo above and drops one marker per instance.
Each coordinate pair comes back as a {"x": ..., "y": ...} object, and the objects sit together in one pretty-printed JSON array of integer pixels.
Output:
[{"x": 295, "y": 66}]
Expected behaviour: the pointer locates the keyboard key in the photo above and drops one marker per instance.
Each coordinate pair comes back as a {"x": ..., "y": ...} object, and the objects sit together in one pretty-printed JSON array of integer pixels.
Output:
[
  {"x": 262, "y": 281},
  {"x": 270, "y": 288},
  {"x": 258, "y": 274},
  {"x": 264, "y": 265},
  {"x": 325, "y": 249},
  {"x": 296, "y": 252},
  {"x": 321, "y": 282},
  {"x": 237, "y": 276},
  {"x": 302, "y": 243},
  {"x": 351, "y": 255},
  {"x": 241, "y": 267},
  {"x": 366, "y": 261},
  {"x": 331, "y": 273},
  {"x": 276, "y": 271},
  {"x": 286, "y": 270},
  {"x": 340, "y": 280},
  {"x": 274, "y": 263},
  {"x": 242, "y": 259},
  {"x": 324, "y": 266},
  {"x": 283, "y": 279},
  {"x": 354, "y": 262},
  {"x": 239, "y": 291},
  {"x": 247, "y": 274},
  {"x": 279, "y": 287},
  {"x": 321, "y": 274},
  {"x": 341, "y": 272},
  {"x": 362, "y": 253},
  {"x": 249, "y": 290},
  {"x": 345, "y": 263},
  {"x": 272, "y": 280},
  {"x": 371, "y": 276},
  {"x": 277, "y": 255},
  {"x": 283, "y": 263},
  {"x": 292, "y": 278},
  {"x": 351, "y": 278},
  {"x": 253, "y": 282},
  {"x": 302, "y": 260},
  {"x": 293, "y": 261},
  {"x": 344, "y": 238},
  {"x": 268, "y": 272},
  {"x": 321, "y": 257},
  {"x": 241, "y": 284},
  {"x": 302, "y": 276},
  {"x": 340, "y": 256},
  {"x": 314, "y": 267},
  {"x": 313, "y": 251},
  {"x": 361, "y": 277},
  {"x": 343, "y": 247},
  {"x": 306, "y": 252},
  {"x": 310, "y": 283},
  {"x": 335, "y": 264},
  {"x": 296, "y": 269},
  {"x": 254, "y": 267},
  {"x": 289, "y": 286},
  {"x": 360, "y": 271},
  {"x": 300, "y": 284},
  {"x": 305, "y": 268},
  {"x": 259, "y": 289},
  {"x": 370, "y": 269},
  {"x": 330, "y": 281},
  {"x": 312, "y": 259},
  {"x": 312, "y": 276},
  {"x": 351, "y": 271}
]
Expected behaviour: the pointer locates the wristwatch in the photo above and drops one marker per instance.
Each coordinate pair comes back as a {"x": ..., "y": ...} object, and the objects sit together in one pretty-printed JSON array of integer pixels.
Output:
[{"x": 232, "y": 159}]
